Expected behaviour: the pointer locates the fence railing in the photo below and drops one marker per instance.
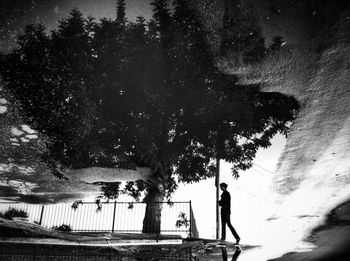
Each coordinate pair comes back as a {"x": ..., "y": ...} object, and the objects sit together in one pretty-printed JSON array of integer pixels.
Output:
[{"x": 128, "y": 217}]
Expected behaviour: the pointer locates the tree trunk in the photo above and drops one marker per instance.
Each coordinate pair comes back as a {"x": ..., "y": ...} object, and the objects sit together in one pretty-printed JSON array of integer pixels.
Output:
[{"x": 153, "y": 213}]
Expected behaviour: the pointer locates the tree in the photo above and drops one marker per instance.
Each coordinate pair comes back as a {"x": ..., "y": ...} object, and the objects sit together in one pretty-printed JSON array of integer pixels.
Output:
[
  {"x": 13, "y": 135},
  {"x": 51, "y": 101},
  {"x": 242, "y": 38},
  {"x": 121, "y": 13},
  {"x": 126, "y": 96},
  {"x": 162, "y": 17},
  {"x": 277, "y": 43},
  {"x": 21, "y": 147}
]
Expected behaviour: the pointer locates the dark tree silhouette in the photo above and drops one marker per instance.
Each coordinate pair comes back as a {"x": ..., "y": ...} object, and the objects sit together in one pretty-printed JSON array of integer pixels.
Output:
[
  {"x": 242, "y": 38},
  {"x": 277, "y": 43},
  {"x": 121, "y": 12},
  {"x": 135, "y": 95}
]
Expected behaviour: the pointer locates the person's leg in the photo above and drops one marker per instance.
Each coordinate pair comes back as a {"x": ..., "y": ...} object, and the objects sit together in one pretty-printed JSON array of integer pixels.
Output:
[
  {"x": 234, "y": 232},
  {"x": 223, "y": 227}
]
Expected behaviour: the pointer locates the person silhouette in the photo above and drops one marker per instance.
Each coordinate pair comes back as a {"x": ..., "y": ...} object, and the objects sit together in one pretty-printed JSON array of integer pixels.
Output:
[{"x": 225, "y": 203}]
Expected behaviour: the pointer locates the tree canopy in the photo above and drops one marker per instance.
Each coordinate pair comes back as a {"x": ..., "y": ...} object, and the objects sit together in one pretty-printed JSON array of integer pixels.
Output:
[
  {"x": 242, "y": 39},
  {"x": 125, "y": 94}
]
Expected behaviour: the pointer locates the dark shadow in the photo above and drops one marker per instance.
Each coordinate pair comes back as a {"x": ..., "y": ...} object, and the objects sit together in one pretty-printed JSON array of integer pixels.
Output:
[
  {"x": 224, "y": 253},
  {"x": 235, "y": 255}
]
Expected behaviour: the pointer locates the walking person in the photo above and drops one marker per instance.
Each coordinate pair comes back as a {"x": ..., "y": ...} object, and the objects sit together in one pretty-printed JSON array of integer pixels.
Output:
[{"x": 225, "y": 203}]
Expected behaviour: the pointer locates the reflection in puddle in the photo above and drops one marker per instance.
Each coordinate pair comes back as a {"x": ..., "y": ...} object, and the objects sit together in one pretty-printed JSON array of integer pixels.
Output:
[
  {"x": 235, "y": 255},
  {"x": 262, "y": 253}
]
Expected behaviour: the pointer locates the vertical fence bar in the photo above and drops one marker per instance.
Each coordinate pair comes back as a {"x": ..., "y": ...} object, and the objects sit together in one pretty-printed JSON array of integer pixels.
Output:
[
  {"x": 114, "y": 210},
  {"x": 191, "y": 219},
  {"x": 41, "y": 215},
  {"x": 80, "y": 212},
  {"x": 52, "y": 213}
]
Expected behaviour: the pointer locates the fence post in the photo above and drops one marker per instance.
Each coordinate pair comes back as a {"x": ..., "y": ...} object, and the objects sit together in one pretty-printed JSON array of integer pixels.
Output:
[
  {"x": 114, "y": 209},
  {"x": 41, "y": 215},
  {"x": 190, "y": 218}
]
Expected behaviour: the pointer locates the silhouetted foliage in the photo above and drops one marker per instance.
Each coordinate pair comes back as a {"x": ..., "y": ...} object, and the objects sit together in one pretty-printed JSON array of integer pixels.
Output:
[
  {"x": 242, "y": 38},
  {"x": 63, "y": 227},
  {"x": 277, "y": 43},
  {"x": 11, "y": 213},
  {"x": 76, "y": 204},
  {"x": 182, "y": 221},
  {"x": 142, "y": 94},
  {"x": 111, "y": 190},
  {"x": 121, "y": 13}
]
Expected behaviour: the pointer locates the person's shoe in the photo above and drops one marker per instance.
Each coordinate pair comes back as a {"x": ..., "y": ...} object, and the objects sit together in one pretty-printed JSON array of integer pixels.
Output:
[{"x": 237, "y": 241}]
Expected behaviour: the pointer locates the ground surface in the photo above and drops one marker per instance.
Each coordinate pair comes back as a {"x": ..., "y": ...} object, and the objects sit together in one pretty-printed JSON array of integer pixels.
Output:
[
  {"x": 33, "y": 239},
  {"x": 332, "y": 239}
]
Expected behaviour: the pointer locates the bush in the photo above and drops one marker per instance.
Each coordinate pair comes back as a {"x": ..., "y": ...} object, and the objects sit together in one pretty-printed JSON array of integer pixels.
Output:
[
  {"x": 11, "y": 213},
  {"x": 182, "y": 221},
  {"x": 63, "y": 227}
]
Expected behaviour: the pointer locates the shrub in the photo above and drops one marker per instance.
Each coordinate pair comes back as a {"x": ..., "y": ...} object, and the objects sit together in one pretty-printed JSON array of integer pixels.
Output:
[
  {"x": 12, "y": 212},
  {"x": 182, "y": 221},
  {"x": 63, "y": 227}
]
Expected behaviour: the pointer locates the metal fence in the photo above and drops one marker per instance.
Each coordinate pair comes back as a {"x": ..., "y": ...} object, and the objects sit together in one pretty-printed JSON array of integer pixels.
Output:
[
  {"x": 36, "y": 252},
  {"x": 176, "y": 217}
]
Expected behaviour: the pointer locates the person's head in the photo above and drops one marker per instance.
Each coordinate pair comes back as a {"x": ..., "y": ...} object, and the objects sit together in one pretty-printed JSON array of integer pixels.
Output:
[{"x": 223, "y": 186}]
